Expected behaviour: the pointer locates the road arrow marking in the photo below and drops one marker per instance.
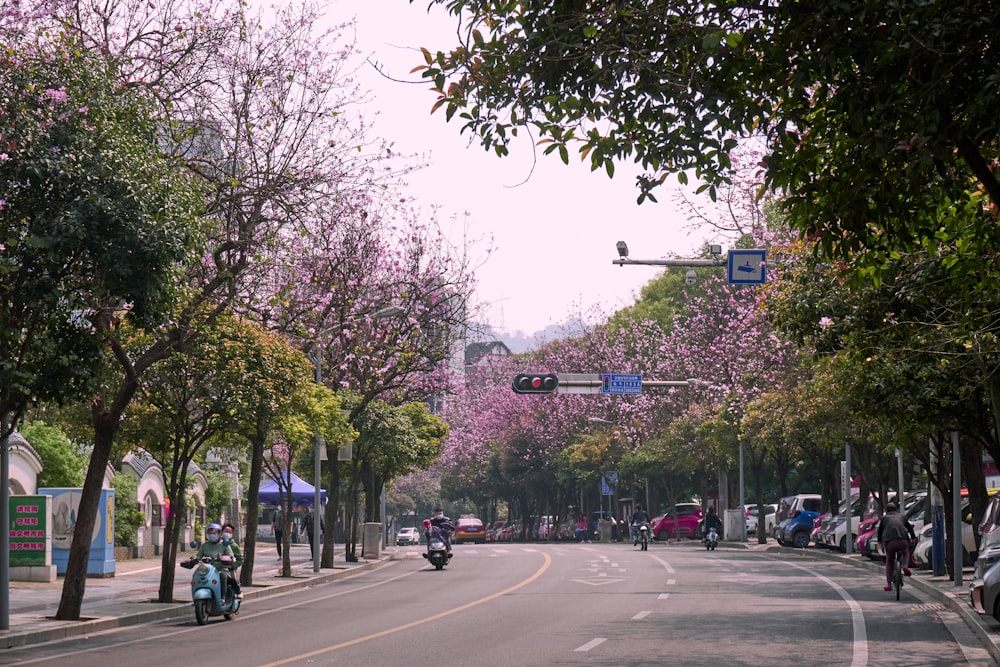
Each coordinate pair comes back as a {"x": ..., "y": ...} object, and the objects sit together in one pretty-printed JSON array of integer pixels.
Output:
[{"x": 597, "y": 582}]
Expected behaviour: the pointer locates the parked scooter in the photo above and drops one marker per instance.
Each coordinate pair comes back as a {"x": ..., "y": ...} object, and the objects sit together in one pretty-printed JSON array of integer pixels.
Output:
[
  {"x": 644, "y": 537},
  {"x": 437, "y": 552},
  {"x": 210, "y": 591},
  {"x": 711, "y": 539}
]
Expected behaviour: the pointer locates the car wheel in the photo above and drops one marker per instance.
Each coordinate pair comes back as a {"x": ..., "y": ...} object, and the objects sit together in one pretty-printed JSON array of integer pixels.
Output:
[
  {"x": 800, "y": 540},
  {"x": 996, "y": 608}
]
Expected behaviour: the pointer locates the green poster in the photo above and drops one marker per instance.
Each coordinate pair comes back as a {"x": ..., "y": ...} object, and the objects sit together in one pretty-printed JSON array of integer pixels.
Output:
[{"x": 28, "y": 530}]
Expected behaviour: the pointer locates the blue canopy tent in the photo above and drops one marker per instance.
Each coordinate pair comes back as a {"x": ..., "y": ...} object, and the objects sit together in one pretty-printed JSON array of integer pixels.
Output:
[{"x": 303, "y": 493}]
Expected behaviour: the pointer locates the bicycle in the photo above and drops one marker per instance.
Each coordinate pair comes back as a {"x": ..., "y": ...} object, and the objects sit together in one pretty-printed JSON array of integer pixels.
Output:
[{"x": 897, "y": 573}]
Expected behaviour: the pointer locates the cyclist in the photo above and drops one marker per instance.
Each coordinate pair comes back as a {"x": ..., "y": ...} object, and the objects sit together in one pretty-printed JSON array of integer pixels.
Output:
[
  {"x": 639, "y": 517},
  {"x": 895, "y": 532}
]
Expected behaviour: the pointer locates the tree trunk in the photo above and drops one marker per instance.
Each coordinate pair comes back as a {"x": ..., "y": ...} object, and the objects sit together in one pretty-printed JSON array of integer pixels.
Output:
[
  {"x": 253, "y": 504},
  {"x": 172, "y": 530},
  {"x": 332, "y": 507},
  {"x": 75, "y": 581},
  {"x": 171, "y": 536}
]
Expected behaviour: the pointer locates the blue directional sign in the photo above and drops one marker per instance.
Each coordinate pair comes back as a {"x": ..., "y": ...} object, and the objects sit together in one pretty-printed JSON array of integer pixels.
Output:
[
  {"x": 617, "y": 383},
  {"x": 747, "y": 267}
]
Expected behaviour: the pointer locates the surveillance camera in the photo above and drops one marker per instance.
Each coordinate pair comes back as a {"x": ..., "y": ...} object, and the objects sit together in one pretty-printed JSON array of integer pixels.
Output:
[
  {"x": 690, "y": 277},
  {"x": 622, "y": 249}
]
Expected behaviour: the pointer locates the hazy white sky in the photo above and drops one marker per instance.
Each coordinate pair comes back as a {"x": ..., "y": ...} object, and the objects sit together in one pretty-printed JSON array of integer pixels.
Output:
[{"x": 554, "y": 229}]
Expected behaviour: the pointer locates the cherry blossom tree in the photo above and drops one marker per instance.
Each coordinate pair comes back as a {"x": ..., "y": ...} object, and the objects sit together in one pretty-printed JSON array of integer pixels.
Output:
[{"x": 260, "y": 110}]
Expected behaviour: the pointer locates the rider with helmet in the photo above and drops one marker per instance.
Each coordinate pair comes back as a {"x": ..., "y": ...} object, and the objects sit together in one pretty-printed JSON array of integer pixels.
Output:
[{"x": 219, "y": 551}]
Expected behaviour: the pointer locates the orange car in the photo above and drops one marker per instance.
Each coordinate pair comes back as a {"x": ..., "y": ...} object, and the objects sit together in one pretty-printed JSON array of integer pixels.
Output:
[{"x": 469, "y": 529}]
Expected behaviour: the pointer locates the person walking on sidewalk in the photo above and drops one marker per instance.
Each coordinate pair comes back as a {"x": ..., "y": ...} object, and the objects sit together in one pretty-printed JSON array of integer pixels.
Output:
[
  {"x": 895, "y": 532},
  {"x": 278, "y": 528}
]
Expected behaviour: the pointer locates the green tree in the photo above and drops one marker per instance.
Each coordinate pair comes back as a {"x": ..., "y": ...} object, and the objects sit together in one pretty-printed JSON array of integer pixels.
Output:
[
  {"x": 128, "y": 517},
  {"x": 218, "y": 495},
  {"x": 112, "y": 229},
  {"x": 188, "y": 401},
  {"x": 64, "y": 463},
  {"x": 875, "y": 113}
]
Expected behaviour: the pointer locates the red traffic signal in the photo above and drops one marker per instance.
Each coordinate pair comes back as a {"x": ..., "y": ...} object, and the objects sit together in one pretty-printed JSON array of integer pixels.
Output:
[{"x": 534, "y": 383}]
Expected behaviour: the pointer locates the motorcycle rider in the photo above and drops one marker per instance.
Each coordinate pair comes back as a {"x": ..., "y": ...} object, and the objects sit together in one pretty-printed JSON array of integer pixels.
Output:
[
  {"x": 712, "y": 520},
  {"x": 893, "y": 530},
  {"x": 639, "y": 517},
  {"x": 445, "y": 526},
  {"x": 227, "y": 538},
  {"x": 213, "y": 547}
]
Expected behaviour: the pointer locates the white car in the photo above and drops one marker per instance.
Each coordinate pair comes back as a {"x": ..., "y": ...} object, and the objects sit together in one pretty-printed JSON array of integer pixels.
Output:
[
  {"x": 769, "y": 513},
  {"x": 407, "y": 536}
]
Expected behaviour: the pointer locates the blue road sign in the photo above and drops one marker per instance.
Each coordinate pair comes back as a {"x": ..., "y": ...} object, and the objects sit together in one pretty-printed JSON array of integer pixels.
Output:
[
  {"x": 747, "y": 267},
  {"x": 616, "y": 383}
]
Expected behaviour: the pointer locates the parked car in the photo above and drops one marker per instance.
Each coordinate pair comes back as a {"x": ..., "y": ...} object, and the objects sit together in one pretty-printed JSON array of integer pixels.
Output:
[
  {"x": 469, "y": 529},
  {"x": 494, "y": 531},
  {"x": 753, "y": 519},
  {"x": 867, "y": 542},
  {"x": 984, "y": 592},
  {"x": 989, "y": 540},
  {"x": 913, "y": 509},
  {"x": 686, "y": 525},
  {"x": 922, "y": 553},
  {"x": 407, "y": 536},
  {"x": 797, "y": 528}
]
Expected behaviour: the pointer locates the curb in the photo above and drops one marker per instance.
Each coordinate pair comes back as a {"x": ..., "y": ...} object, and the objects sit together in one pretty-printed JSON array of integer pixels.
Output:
[{"x": 166, "y": 611}]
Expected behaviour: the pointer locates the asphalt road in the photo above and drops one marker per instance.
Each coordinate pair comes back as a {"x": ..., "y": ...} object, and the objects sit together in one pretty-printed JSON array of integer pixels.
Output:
[{"x": 561, "y": 604}]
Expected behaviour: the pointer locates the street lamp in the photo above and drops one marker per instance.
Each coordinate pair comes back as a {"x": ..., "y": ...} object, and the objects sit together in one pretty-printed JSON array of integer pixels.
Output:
[{"x": 317, "y": 359}]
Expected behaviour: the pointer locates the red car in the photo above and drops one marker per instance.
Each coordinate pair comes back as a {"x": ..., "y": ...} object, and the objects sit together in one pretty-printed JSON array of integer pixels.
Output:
[
  {"x": 688, "y": 518},
  {"x": 867, "y": 530}
]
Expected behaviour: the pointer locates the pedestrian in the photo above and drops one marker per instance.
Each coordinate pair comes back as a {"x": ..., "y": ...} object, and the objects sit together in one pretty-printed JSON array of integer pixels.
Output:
[
  {"x": 581, "y": 529},
  {"x": 278, "y": 528}
]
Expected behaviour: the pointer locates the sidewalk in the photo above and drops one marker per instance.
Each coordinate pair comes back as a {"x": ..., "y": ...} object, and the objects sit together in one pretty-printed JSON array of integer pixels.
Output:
[{"x": 129, "y": 597}]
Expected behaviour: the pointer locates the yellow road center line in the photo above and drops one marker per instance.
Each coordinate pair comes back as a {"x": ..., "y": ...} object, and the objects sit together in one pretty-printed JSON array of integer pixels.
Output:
[{"x": 413, "y": 624}]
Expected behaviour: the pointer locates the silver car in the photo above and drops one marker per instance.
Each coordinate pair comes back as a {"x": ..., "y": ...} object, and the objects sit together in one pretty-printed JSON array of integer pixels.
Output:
[{"x": 407, "y": 536}]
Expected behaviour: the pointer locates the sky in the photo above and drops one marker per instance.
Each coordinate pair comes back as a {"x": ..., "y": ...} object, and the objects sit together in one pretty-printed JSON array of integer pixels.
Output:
[{"x": 553, "y": 226}]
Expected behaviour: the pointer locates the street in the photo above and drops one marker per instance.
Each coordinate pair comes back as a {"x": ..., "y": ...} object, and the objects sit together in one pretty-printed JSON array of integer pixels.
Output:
[{"x": 566, "y": 604}]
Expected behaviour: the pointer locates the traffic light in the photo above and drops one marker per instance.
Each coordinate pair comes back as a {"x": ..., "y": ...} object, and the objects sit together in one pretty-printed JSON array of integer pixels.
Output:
[{"x": 534, "y": 383}]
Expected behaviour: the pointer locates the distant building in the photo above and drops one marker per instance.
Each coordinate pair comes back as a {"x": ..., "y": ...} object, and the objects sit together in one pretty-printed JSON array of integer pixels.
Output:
[
  {"x": 482, "y": 355},
  {"x": 479, "y": 354}
]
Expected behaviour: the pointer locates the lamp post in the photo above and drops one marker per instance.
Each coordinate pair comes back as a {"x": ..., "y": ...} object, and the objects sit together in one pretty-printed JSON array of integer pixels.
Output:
[{"x": 317, "y": 360}]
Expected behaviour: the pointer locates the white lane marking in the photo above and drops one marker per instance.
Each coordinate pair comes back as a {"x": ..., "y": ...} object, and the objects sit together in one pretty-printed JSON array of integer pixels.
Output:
[
  {"x": 664, "y": 563},
  {"x": 860, "y": 644},
  {"x": 671, "y": 582},
  {"x": 641, "y": 615},
  {"x": 593, "y": 643},
  {"x": 663, "y": 596}
]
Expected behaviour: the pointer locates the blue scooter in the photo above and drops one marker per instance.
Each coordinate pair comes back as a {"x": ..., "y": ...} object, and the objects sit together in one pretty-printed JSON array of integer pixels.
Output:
[{"x": 207, "y": 585}]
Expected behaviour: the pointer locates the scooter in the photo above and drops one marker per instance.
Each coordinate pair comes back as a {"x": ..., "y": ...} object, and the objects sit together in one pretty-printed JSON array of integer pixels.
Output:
[
  {"x": 644, "y": 537},
  {"x": 437, "y": 549},
  {"x": 711, "y": 539},
  {"x": 207, "y": 584}
]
